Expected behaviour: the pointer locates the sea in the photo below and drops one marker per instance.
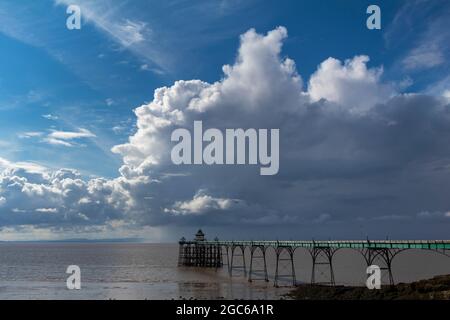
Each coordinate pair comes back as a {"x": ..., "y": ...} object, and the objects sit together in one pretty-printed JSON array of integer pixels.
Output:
[{"x": 151, "y": 271}]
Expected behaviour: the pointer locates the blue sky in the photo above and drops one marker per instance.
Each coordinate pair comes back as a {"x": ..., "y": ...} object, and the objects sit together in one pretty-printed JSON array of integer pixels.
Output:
[{"x": 67, "y": 96}]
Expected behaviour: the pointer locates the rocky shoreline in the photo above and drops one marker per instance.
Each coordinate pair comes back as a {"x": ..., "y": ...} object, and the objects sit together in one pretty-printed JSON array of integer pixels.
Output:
[{"x": 437, "y": 288}]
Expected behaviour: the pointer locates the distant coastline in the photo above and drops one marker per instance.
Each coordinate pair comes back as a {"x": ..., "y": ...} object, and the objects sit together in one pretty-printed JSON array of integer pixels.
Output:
[
  {"x": 437, "y": 288},
  {"x": 79, "y": 240}
]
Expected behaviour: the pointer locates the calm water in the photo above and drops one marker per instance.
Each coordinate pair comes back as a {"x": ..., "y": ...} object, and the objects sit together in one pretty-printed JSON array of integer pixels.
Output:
[{"x": 149, "y": 271}]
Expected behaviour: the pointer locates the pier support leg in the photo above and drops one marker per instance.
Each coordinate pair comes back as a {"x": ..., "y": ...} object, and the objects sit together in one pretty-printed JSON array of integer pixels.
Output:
[
  {"x": 229, "y": 260},
  {"x": 254, "y": 256},
  {"x": 218, "y": 259},
  {"x": 322, "y": 257},
  {"x": 181, "y": 255},
  {"x": 278, "y": 251},
  {"x": 227, "y": 252},
  {"x": 238, "y": 251}
]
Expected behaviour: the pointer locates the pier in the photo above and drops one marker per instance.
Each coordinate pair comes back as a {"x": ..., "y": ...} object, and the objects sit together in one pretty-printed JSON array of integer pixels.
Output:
[
  {"x": 200, "y": 253},
  {"x": 217, "y": 254}
]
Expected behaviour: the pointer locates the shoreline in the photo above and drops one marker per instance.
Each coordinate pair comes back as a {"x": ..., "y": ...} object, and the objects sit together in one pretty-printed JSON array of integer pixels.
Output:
[{"x": 436, "y": 288}]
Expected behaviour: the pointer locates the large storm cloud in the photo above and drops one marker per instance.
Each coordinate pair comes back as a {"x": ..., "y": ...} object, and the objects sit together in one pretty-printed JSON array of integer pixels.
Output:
[{"x": 352, "y": 150}]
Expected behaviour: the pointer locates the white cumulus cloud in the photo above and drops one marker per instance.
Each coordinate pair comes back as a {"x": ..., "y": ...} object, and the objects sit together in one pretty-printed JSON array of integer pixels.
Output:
[
  {"x": 350, "y": 84},
  {"x": 202, "y": 203}
]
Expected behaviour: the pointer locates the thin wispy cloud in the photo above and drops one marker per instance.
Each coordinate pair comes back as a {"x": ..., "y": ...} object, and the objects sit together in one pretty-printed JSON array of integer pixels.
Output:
[
  {"x": 66, "y": 138},
  {"x": 57, "y": 142},
  {"x": 50, "y": 117},
  {"x": 58, "y": 138},
  {"x": 425, "y": 56},
  {"x": 47, "y": 210},
  {"x": 30, "y": 167},
  {"x": 70, "y": 135},
  {"x": 131, "y": 32},
  {"x": 30, "y": 134},
  {"x": 128, "y": 32},
  {"x": 428, "y": 24}
]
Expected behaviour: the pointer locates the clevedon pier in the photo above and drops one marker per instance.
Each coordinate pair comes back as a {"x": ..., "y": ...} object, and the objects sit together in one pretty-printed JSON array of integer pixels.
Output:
[{"x": 235, "y": 255}]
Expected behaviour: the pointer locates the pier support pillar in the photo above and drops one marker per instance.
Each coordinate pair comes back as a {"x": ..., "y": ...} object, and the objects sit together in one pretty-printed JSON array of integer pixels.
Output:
[
  {"x": 322, "y": 257},
  {"x": 238, "y": 251},
  {"x": 261, "y": 257},
  {"x": 226, "y": 250},
  {"x": 289, "y": 260}
]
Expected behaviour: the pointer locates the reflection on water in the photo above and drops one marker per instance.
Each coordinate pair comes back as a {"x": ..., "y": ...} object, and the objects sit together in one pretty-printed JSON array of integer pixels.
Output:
[
  {"x": 149, "y": 271},
  {"x": 229, "y": 290}
]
